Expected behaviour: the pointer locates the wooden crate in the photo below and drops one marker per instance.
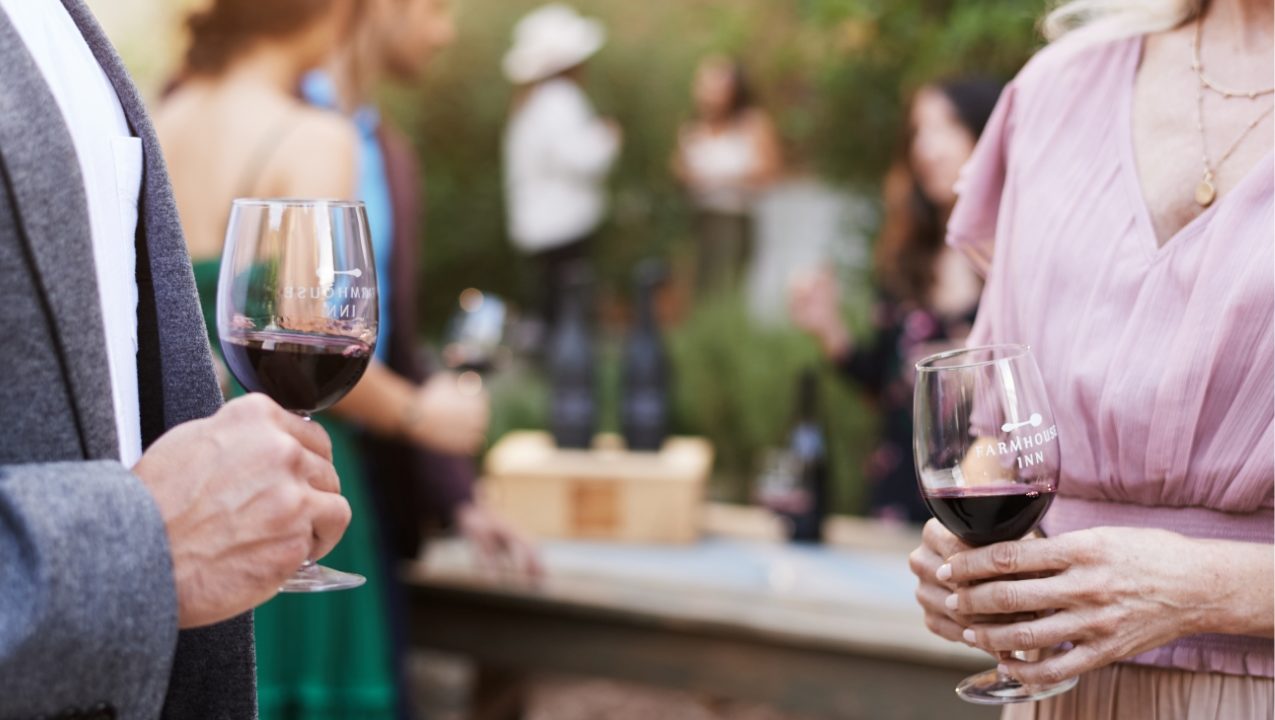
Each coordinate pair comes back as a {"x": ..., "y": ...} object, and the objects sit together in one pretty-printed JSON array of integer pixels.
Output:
[{"x": 606, "y": 493}]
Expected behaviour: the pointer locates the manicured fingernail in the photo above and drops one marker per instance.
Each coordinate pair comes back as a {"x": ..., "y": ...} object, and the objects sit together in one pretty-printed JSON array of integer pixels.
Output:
[
  {"x": 969, "y": 636},
  {"x": 944, "y": 571},
  {"x": 951, "y": 601},
  {"x": 1002, "y": 669}
]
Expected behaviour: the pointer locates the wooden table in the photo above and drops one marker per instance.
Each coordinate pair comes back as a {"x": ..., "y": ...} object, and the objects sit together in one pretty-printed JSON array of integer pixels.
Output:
[{"x": 828, "y": 631}]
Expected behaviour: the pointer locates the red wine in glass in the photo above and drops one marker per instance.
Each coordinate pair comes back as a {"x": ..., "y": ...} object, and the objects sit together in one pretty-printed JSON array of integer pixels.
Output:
[
  {"x": 988, "y": 463},
  {"x": 983, "y": 516},
  {"x": 297, "y": 314},
  {"x": 303, "y": 373}
]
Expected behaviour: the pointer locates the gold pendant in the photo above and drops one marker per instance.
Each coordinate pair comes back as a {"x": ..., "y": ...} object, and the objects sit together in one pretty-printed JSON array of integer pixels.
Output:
[{"x": 1205, "y": 193}]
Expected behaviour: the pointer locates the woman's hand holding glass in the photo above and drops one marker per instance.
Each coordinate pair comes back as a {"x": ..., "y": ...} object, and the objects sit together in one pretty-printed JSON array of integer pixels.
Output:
[
  {"x": 1110, "y": 592},
  {"x": 987, "y": 458}
]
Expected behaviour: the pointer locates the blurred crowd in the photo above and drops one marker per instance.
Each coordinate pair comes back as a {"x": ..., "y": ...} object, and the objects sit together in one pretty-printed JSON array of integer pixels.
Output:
[
  {"x": 280, "y": 101},
  {"x": 1143, "y": 302}
]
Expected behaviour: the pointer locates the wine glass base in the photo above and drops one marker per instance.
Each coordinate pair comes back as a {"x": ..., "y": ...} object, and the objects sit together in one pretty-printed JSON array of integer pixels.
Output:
[
  {"x": 989, "y": 688},
  {"x": 317, "y": 578}
]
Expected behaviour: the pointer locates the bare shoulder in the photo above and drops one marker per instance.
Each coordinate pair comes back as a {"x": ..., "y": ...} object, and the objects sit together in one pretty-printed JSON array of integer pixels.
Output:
[
  {"x": 314, "y": 125},
  {"x": 317, "y": 157},
  {"x": 173, "y": 113}
]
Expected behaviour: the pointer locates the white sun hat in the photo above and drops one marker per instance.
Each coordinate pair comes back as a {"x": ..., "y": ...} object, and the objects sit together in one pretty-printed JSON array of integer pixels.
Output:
[{"x": 549, "y": 40}]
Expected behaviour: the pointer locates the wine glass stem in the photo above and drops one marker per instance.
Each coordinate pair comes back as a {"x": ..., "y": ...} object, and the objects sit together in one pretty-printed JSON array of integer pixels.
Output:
[
  {"x": 1003, "y": 655},
  {"x": 305, "y": 416}
]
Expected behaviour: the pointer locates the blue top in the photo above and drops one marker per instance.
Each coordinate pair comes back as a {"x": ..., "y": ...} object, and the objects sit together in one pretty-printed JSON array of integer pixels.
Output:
[{"x": 373, "y": 187}]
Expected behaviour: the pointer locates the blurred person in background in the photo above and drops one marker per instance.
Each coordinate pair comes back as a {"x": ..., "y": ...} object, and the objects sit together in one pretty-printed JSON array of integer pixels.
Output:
[
  {"x": 1121, "y": 203},
  {"x": 142, "y": 520},
  {"x": 395, "y": 42},
  {"x": 231, "y": 127},
  {"x": 557, "y": 151},
  {"x": 430, "y": 481},
  {"x": 927, "y": 294},
  {"x": 725, "y": 156}
]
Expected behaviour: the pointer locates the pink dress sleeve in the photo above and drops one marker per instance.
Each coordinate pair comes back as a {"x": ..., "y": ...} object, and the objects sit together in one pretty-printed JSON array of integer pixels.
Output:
[{"x": 972, "y": 226}]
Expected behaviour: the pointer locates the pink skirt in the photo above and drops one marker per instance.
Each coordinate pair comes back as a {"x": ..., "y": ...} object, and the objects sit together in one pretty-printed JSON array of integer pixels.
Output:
[{"x": 1136, "y": 692}]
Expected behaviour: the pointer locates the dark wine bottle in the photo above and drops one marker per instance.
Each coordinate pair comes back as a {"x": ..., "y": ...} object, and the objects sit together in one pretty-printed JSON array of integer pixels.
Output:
[
  {"x": 571, "y": 366},
  {"x": 644, "y": 399},
  {"x": 808, "y": 446}
]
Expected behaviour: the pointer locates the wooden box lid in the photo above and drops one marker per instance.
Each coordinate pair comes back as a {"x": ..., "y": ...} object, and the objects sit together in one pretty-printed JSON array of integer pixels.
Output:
[{"x": 533, "y": 454}]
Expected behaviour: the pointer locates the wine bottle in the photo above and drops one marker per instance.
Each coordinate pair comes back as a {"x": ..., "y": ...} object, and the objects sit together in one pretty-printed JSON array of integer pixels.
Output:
[
  {"x": 572, "y": 366},
  {"x": 807, "y": 444},
  {"x": 644, "y": 399}
]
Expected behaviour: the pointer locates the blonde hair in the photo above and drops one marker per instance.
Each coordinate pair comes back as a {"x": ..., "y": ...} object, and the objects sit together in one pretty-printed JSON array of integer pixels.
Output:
[{"x": 1112, "y": 19}]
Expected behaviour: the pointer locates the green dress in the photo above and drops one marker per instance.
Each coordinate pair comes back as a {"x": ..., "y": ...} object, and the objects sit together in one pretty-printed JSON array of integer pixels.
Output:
[{"x": 325, "y": 656}]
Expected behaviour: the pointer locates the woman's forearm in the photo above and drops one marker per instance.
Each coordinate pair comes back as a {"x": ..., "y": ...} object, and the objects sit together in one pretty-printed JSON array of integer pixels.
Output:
[
  {"x": 381, "y": 401},
  {"x": 836, "y": 342},
  {"x": 1237, "y": 583}
]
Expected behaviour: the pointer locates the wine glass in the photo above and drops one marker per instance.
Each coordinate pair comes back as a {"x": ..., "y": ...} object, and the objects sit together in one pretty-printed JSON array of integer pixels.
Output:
[
  {"x": 987, "y": 459},
  {"x": 297, "y": 314},
  {"x": 475, "y": 333}
]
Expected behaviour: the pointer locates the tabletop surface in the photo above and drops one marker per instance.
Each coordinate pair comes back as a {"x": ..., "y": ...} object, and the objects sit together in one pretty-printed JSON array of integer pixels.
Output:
[{"x": 854, "y": 594}]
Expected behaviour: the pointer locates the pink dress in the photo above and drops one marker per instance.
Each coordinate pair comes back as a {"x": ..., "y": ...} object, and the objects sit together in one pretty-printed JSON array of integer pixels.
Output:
[{"x": 1159, "y": 360}]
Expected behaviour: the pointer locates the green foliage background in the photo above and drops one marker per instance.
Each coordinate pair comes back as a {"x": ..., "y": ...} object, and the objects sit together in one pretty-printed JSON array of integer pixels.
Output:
[{"x": 835, "y": 74}]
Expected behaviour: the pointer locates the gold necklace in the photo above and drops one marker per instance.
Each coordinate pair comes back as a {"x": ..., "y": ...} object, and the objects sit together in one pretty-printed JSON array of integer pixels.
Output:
[
  {"x": 1198, "y": 66},
  {"x": 1205, "y": 190}
]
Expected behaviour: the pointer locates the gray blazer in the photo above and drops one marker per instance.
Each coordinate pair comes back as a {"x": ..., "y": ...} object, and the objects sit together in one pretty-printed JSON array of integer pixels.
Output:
[{"x": 88, "y": 611}]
